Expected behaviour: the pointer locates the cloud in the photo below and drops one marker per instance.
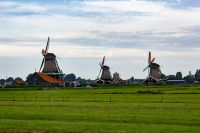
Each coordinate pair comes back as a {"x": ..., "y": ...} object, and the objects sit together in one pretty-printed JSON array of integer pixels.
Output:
[
  {"x": 86, "y": 29},
  {"x": 179, "y": 1}
]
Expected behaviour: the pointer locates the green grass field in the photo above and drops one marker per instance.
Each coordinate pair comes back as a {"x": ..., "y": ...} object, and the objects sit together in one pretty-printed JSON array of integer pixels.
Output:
[{"x": 134, "y": 109}]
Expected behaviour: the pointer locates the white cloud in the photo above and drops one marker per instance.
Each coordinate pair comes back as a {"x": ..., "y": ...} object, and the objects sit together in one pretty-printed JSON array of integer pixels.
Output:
[{"x": 179, "y": 1}]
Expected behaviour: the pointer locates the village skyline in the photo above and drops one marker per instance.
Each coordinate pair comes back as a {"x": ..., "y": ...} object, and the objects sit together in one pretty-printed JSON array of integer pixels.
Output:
[{"x": 82, "y": 32}]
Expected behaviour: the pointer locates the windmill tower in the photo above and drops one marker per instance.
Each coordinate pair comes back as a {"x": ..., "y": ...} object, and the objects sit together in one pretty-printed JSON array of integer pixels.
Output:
[
  {"x": 153, "y": 71},
  {"x": 50, "y": 64},
  {"x": 104, "y": 74}
]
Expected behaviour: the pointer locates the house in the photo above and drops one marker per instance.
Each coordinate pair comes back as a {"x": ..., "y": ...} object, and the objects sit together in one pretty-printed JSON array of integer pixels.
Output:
[
  {"x": 43, "y": 80},
  {"x": 19, "y": 82}
]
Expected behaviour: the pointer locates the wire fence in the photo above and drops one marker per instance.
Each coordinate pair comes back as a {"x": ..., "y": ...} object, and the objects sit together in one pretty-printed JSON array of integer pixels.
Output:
[
  {"x": 57, "y": 98},
  {"x": 106, "y": 98}
]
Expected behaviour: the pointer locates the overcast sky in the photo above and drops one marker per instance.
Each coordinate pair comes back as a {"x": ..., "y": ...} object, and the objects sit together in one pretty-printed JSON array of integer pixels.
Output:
[{"x": 83, "y": 31}]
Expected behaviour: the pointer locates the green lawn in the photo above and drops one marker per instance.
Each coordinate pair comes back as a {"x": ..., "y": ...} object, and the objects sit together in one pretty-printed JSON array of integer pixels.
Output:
[{"x": 134, "y": 109}]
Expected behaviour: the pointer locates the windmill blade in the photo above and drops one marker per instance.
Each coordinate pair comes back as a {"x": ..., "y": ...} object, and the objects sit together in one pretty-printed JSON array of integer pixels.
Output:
[
  {"x": 47, "y": 46},
  {"x": 149, "y": 65},
  {"x": 100, "y": 64},
  {"x": 145, "y": 68},
  {"x": 42, "y": 64},
  {"x": 57, "y": 66},
  {"x": 149, "y": 59},
  {"x": 99, "y": 73},
  {"x": 103, "y": 61},
  {"x": 152, "y": 61}
]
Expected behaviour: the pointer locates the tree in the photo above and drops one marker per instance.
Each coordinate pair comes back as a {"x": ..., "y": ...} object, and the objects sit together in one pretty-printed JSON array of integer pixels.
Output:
[
  {"x": 11, "y": 79},
  {"x": 179, "y": 76},
  {"x": 18, "y": 78},
  {"x": 197, "y": 75},
  {"x": 2, "y": 81},
  {"x": 132, "y": 79},
  {"x": 163, "y": 76},
  {"x": 70, "y": 77},
  {"x": 189, "y": 79},
  {"x": 171, "y": 77}
]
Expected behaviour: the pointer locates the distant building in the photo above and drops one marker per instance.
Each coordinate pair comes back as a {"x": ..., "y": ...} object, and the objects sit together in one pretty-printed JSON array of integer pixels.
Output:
[
  {"x": 117, "y": 79},
  {"x": 43, "y": 80},
  {"x": 19, "y": 82},
  {"x": 9, "y": 82},
  {"x": 190, "y": 73},
  {"x": 175, "y": 81}
]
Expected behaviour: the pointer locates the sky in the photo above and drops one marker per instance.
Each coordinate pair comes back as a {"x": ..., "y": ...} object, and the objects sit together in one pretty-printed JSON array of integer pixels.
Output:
[{"x": 83, "y": 31}]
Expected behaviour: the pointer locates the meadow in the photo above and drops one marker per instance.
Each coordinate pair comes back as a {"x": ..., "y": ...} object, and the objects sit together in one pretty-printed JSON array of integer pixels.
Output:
[{"x": 103, "y": 109}]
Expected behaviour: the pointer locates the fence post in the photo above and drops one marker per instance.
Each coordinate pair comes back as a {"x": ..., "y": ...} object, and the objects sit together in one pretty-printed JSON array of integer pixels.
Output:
[
  {"x": 110, "y": 98},
  {"x": 13, "y": 98},
  {"x": 36, "y": 98},
  {"x": 162, "y": 97},
  {"x": 63, "y": 98}
]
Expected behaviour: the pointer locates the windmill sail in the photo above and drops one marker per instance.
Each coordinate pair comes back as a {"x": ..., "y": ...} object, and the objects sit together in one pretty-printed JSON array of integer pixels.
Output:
[
  {"x": 47, "y": 46},
  {"x": 149, "y": 65},
  {"x": 149, "y": 60},
  {"x": 42, "y": 64}
]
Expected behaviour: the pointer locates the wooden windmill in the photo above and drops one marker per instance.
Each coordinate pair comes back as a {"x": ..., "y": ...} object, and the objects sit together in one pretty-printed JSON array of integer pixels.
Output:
[
  {"x": 51, "y": 75},
  {"x": 104, "y": 74},
  {"x": 153, "y": 71},
  {"x": 50, "y": 64}
]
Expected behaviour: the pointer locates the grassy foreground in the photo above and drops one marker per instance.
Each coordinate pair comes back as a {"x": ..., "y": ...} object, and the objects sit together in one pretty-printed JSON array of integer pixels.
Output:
[{"x": 134, "y": 109}]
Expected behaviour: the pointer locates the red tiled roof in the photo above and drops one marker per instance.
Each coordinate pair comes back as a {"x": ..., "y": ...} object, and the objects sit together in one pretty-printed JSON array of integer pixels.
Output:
[
  {"x": 19, "y": 82},
  {"x": 48, "y": 78}
]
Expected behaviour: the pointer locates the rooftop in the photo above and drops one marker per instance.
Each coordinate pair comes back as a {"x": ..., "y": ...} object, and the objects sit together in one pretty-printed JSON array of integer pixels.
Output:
[{"x": 48, "y": 78}]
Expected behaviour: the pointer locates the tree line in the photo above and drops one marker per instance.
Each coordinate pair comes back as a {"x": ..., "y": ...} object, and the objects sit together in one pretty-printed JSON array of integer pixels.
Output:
[
  {"x": 72, "y": 78},
  {"x": 188, "y": 78}
]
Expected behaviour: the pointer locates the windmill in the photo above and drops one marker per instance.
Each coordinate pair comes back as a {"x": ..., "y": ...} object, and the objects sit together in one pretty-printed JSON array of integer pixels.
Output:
[
  {"x": 49, "y": 63},
  {"x": 104, "y": 73},
  {"x": 153, "y": 71}
]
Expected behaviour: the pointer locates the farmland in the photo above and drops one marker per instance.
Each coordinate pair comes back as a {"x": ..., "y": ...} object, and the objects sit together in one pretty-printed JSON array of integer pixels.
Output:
[{"x": 139, "y": 109}]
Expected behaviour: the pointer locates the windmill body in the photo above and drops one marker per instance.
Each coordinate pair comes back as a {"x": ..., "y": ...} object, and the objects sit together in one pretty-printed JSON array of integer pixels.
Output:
[
  {"x": 50, "y": 64},
  {"x": 153, "y": 71},
  {"x": 106, "y": 75}
]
